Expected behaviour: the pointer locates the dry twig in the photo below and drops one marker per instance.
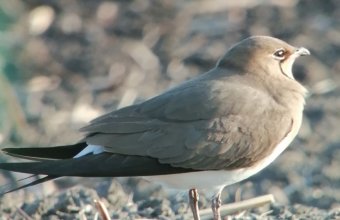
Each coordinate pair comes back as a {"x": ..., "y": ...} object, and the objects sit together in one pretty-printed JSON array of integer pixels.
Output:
[
  {"x": 102, "y": 210},
  {"x": 229, "y": 209},
  {"x": 23, "y": 214}
]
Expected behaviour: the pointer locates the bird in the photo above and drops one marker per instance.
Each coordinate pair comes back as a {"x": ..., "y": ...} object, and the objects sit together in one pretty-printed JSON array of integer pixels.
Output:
[{"x": 207, "y": 133}]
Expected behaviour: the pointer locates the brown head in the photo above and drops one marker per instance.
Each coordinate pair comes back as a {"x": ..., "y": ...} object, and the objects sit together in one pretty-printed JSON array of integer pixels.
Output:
[{"x": 262, "y": 54}]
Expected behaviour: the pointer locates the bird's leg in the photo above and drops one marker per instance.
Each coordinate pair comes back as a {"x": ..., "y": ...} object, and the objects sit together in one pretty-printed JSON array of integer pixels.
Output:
[
  {"x": 193, "y": 200},
  {"x": 215, "y": 206}
]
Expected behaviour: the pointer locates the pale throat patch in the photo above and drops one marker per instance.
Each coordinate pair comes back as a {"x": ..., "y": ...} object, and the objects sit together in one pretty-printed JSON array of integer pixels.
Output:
[
  {"x": 288, "y": 65},
  {"x": 287, "y": 68}
]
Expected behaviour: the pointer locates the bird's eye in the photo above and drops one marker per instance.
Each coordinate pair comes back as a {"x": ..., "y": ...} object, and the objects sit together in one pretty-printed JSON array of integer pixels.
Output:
[{"x": 280, "y": 54}]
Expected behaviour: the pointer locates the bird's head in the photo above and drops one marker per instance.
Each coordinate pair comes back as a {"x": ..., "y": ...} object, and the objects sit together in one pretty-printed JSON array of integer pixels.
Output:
[{"x": 262, "y": 54}]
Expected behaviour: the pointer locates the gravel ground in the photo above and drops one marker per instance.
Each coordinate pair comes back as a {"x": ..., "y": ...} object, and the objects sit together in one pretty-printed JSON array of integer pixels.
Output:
[{"x": 66, "y": 62}]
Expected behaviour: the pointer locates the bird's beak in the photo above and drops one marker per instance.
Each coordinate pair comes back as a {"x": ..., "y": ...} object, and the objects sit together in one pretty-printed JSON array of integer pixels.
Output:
[{"x": 301, "y": 51}]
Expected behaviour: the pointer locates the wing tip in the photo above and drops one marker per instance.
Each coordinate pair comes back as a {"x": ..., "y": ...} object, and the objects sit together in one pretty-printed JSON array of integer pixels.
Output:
[{"x": 6, "y": 150}]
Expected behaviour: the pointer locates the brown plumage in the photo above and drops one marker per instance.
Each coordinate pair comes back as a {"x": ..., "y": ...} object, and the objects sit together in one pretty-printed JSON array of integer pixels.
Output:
[{"x": 237, "y": 117}]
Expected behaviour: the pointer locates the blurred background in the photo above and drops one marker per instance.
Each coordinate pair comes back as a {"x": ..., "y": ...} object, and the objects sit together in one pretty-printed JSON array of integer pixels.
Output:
[{"x": 62, "y": 63}]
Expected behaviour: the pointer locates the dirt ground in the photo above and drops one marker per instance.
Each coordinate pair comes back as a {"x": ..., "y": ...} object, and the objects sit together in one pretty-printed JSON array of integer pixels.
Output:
[{"x": 66, "y": 62}]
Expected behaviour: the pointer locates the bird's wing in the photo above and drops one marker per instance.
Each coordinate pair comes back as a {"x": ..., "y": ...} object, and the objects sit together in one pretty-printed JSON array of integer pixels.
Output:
[
  {"x": 203, "y": 125},
  {"x": 46, "y": 153},
  {"x": 98, "y": 165},
  {"x": 60, "y": 161}
]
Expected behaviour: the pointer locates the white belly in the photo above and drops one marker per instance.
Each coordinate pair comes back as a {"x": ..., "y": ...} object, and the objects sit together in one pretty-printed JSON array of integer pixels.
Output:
[
  {"x": 212, "y": 181},
  {"x": 215, "y": 181}
]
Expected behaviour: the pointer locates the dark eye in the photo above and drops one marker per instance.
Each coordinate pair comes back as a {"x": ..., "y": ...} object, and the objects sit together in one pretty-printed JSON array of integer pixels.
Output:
[{"x": 280, "y": 54}]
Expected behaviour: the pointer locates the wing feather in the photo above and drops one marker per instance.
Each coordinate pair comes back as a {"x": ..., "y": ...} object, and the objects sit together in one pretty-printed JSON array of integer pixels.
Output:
[
  {"x": 201, "y": 125},
  {"x": 99, "y": 165}
]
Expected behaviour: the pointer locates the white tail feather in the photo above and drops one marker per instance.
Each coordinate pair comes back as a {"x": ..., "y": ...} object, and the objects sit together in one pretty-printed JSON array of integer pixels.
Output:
[{"x": 90, "y": 149}]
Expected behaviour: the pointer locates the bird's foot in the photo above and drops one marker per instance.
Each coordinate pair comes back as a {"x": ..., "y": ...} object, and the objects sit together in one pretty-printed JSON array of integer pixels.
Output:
[
  {"x": 193, "y": 200},
  {"x": 215, "y": 206}
]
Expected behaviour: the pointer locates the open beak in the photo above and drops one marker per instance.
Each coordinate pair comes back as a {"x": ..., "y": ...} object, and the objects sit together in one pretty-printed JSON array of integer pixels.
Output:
[{"x": 301, "y": 51}]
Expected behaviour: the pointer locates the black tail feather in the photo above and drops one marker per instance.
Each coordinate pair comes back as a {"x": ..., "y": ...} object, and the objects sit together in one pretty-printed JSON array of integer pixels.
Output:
[
  {"x": 17, "y": 181},
  {"x": 9, "y": 187}
]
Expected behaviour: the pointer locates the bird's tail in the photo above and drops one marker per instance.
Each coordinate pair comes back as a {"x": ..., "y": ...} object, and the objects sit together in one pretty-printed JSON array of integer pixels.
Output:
[
  {"x": 55, "y": 162},
  {"x": 37, "y": 154},
  {"x": 22, "y": 183}
]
